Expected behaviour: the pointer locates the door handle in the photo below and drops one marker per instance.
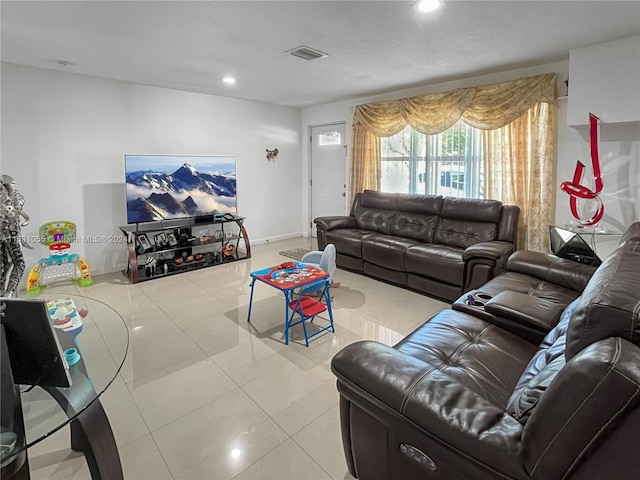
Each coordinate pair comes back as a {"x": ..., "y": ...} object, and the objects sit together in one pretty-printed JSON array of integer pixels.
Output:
[{"x": 344, "y": 194}]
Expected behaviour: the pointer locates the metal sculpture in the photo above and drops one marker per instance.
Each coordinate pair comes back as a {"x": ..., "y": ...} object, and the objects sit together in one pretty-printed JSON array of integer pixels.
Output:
[
  {"x": 11, "y": 241},
  {"x": 576, "y": 190}
]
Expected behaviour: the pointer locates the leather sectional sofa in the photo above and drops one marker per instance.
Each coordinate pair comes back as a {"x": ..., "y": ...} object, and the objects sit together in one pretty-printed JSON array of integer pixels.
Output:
[
  {"x": 441, "y": 246},
  {"x": 465, "y": 396}
]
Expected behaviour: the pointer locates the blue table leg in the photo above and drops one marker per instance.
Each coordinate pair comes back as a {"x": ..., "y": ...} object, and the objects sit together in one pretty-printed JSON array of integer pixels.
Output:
[
  {"x": 253, "y": 281},
  {"x": 286, "y": 316},
  {"x": 328, "y": 299}
]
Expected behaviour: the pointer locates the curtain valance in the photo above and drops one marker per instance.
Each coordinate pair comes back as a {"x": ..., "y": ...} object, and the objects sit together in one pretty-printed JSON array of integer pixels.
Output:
[{"x": 487, "y": 107}]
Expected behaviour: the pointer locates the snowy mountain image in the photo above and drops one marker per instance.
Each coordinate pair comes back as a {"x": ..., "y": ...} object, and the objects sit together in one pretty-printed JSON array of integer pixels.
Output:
[{"x": 185, "y": 191}]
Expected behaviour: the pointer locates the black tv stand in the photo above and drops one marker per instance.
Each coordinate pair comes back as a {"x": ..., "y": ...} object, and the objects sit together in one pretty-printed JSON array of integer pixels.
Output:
[
  {"x": 159, "y": 249},
  {"x": 204, "y": 219}
]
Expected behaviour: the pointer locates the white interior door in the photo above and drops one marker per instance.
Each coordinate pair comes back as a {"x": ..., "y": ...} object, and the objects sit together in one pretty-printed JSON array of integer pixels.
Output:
[{"x": 328, "y": 171}]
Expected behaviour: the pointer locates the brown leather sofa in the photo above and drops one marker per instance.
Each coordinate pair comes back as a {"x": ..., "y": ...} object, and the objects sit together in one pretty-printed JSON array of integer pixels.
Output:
[
  {"x": 442, "y": 246},
  {"x": 464, "y": 398}
]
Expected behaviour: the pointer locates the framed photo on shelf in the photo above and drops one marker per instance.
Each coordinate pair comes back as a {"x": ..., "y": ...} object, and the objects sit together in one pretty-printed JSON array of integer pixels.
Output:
[
  {"x": 171, "y": 238},
  {"x": 143, "y": 243},
  {"x": 160, "y": 240}
]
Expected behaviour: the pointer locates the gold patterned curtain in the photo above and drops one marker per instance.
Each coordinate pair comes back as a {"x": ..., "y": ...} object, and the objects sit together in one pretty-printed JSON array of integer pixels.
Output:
[
  {"x": 518, "y": 165},
  {"x": 488, "y": 107},
  {"x": 366, "y": 164}
]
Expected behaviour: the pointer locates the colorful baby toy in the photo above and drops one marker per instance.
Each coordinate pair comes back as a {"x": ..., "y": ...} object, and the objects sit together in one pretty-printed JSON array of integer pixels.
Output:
[{"x": 60, "y": 265}]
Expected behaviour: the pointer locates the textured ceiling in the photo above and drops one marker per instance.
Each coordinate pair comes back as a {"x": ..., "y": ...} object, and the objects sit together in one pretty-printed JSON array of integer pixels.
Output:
[{"x": 373, "y": 46}]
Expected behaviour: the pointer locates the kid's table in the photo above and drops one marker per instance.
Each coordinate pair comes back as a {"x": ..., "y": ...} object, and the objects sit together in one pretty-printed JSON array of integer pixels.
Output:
[{"x": 298, "y": 277}]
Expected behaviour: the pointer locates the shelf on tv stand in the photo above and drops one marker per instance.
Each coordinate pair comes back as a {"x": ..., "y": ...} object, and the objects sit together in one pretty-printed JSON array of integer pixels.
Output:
[{"x": 212, "y": 249}]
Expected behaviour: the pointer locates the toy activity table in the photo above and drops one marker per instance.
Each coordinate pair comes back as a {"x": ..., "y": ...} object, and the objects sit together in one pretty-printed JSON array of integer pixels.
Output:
[{"x": 293, "y": 276}]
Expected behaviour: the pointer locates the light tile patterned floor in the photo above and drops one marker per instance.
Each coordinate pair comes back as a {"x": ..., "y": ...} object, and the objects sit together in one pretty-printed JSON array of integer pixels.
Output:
[{"x": 204, "y": 395}]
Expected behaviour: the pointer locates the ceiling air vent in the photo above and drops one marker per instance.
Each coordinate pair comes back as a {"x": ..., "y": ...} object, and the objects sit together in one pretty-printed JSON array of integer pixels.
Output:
[{"x": 307, "y": 53}]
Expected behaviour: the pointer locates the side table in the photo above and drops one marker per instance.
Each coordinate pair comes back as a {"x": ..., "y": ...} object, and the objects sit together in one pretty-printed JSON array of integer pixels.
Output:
[{"x": 102, "y": 343}]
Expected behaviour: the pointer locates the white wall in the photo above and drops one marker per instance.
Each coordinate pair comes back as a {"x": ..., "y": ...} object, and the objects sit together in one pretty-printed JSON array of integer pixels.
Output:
[
  {"x": 64, "y": 137},
  {"x": 605, "y": 81},
  {"x": 619, "y": 146}
]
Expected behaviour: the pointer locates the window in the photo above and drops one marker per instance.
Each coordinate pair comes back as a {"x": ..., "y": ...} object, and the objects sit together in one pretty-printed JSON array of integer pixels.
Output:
[
  {"x": 448, "y": 164},
  {"x": 329, "y": 138}
]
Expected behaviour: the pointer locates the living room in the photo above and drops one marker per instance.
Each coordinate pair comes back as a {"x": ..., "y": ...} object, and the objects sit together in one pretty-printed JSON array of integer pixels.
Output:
[{"x": 64, "y": 137}]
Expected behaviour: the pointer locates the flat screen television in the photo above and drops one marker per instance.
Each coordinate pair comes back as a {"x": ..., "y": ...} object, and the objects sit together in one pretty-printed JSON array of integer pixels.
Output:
[
  {"x": 161, "y": 187},
  {"x": 570, "y": 245}
]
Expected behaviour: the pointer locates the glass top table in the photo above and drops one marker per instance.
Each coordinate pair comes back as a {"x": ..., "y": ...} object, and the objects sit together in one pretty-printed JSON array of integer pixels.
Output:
[
  {"x": 102, "y": 340},
  {"x": 588, "y": 230}
]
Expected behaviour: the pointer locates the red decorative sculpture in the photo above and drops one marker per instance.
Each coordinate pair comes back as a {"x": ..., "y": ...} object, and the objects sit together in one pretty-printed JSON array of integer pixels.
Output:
[{"x": 576, "y": 190}]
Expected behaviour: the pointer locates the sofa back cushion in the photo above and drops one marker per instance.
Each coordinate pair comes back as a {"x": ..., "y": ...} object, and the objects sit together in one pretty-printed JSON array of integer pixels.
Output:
[
  {"x": 610, "y": 303},
  {"x": 415, "y": 227},
  {"x": 466, "y": 221},
  {"x": 417, "y": 217},
  {"x": 542, "y": 369},
  {"x": 408, "y": 216},
  {"x": 374, "y": 220}
]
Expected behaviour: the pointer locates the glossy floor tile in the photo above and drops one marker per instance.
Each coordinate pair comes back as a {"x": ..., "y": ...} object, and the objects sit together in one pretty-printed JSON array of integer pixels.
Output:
[{"x": 203, "y": 394}]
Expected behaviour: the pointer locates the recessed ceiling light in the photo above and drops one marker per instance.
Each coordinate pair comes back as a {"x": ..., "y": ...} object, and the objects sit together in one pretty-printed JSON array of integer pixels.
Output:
[
  {"x": 426, "y": 6},
  {"x": 229, "y": 80}
]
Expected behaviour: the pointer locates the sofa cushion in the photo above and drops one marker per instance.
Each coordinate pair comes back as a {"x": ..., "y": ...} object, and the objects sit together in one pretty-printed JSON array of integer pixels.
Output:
[
  {"x": 534, "y": 312},
  {"x": 414, "y": 226},
  {"x": 411, "y": 216},
  {"x": 386, "y": 251},
  {"x": 348, "y": 241},
  {"x": 610, "y": 303},
  {"x": 420, "y": 204},
  {"x": 550, "y": 268},
  {"x": 536, "y": 287},
  {"x": 471, "y": 210},
  {"x": 463, "y": 233},
  {"x": 542, "y": 369},
  {"x": 441, "y": 262},
  {"x": 479, "y": 355},
  {"x": 379, "y": 200},
  {"x": 375, "y": 220},
  {"x": 466, "y": 221}
]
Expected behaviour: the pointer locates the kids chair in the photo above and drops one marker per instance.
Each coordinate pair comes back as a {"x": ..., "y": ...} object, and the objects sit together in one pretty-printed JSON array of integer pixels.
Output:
[
  {"x": 308, "y": 308},
  {"x": 325, "y": 260}
]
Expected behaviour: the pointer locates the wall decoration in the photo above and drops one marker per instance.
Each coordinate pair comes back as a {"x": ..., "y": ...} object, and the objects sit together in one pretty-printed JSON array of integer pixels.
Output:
[
  {"x": 272, "y": 154},
  {"x": 578, "y": 192}
]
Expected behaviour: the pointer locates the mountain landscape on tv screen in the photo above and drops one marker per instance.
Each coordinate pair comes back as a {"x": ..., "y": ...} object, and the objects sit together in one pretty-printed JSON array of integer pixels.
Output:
[{"x": 186, "y": 192}]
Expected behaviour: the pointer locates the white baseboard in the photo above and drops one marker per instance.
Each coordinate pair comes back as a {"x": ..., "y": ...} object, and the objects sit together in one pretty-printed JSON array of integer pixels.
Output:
[{"x": 275, "y": 238}]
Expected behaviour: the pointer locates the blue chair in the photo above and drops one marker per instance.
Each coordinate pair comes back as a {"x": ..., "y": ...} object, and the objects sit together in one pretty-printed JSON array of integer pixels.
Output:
[
  {"x": 308, "y": 308},
  {"x": 325, "y": 260}
]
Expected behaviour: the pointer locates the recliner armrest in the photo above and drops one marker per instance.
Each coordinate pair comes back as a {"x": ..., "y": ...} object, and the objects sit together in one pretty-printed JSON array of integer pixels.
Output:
[
  {"x": 430, "y": 399},
  {"x": 380, "y": 370},
  {"x": 492, "y": 250},
  {"x": 534, "y": 312},
  {"x": 330, "y": 223},
  {"x": 552, "y": 269}
]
